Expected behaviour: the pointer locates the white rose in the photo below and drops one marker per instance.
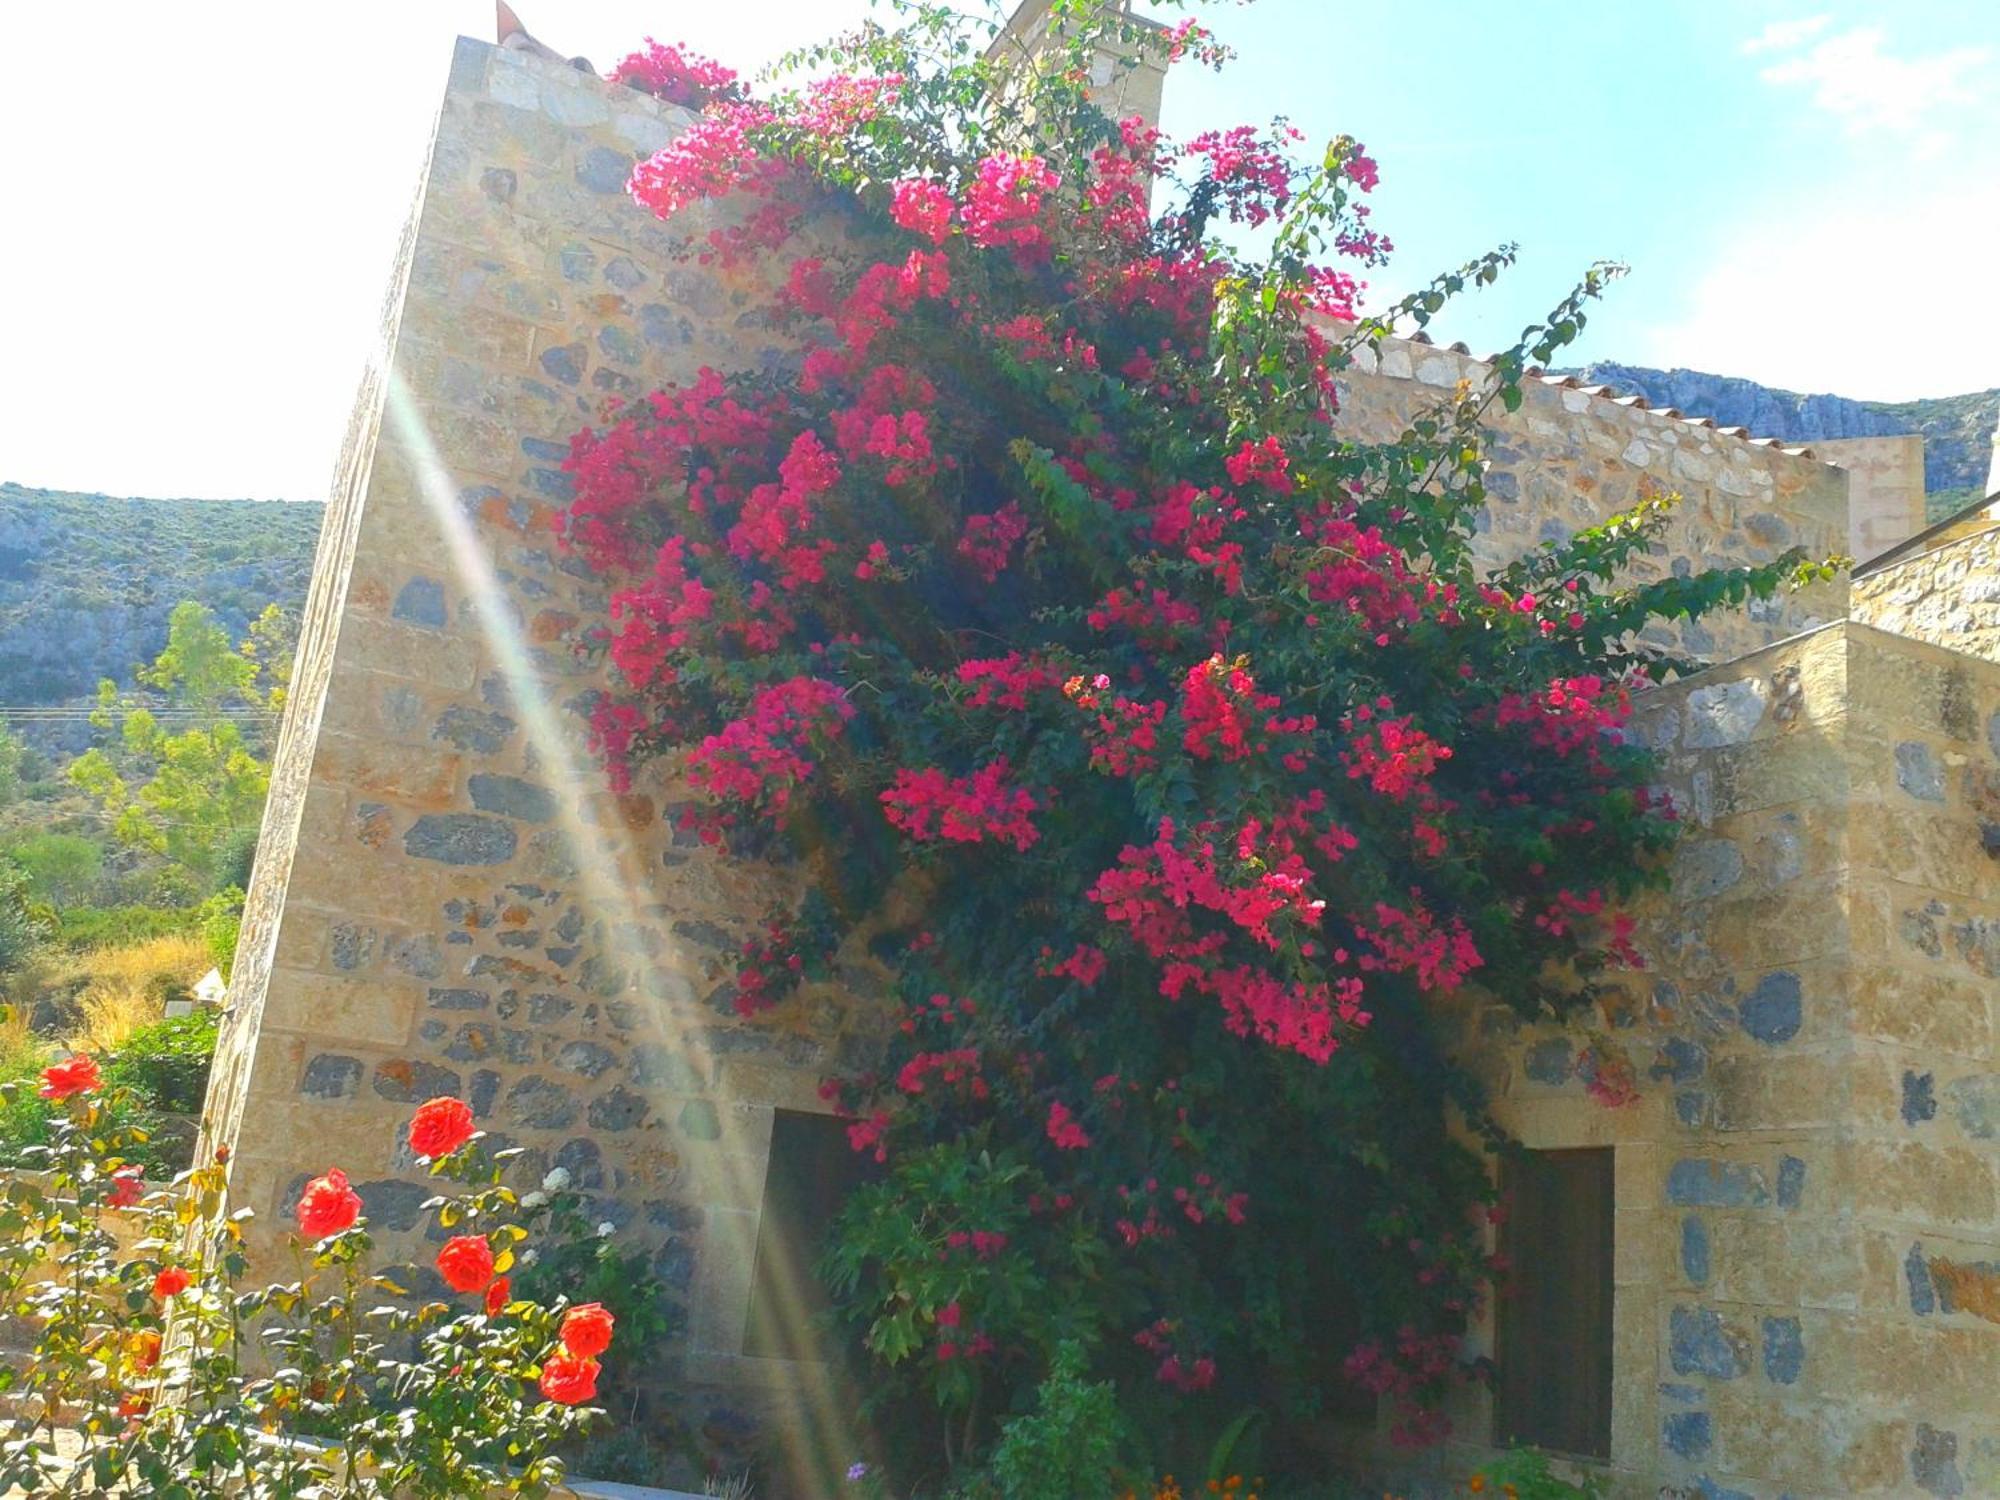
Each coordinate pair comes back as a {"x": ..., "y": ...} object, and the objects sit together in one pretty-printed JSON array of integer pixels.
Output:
[
  {"x": 536, "y": 1199},
  {"x": 556, "y": 1181},
  {"x": 530, "y": 1256},
  {"x": 606, "y": 1230}
]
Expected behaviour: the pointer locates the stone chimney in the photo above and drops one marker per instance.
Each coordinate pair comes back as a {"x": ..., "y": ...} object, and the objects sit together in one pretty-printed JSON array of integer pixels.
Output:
[{"x": 1124, "y": 81}]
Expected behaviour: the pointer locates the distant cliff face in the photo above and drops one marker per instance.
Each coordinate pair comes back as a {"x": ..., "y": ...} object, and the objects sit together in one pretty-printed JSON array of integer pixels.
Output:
[
  {"x": 1957, "y": 430},
  {"x": 87, "y": 581}
]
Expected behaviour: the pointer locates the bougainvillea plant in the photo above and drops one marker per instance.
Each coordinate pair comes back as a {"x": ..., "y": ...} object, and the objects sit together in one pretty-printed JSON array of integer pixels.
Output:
[
  {"x": 141, "y": 1360},
  {"x": 1044, "y": 592}
]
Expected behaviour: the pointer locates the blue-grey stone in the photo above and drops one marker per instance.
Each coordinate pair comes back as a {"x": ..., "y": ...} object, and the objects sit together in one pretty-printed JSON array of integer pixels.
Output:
[
  {"x": 1710, "y": 1490},
  {"x": 1919, "y": 1099},
  {"x": 1975, "y": 1104},
  {"x": 411, "y": 1080},
  {"x": 473, "y": 729},
  {"x": 659, "y": 1067},
  {"x": 1679, "y": 1060},
  {"x": 1918, "y": 771},
  {"x": 1784, "y": 1350},
  {"x": 541, "y": 1104},
  {"x": 664, "y": 327},
  {"x": 1917, "y": 1272},
  {"x": 546, "y": 451},
  {"x": 553, "y": 483},
  {"x": 421, "y": 602},
  {"x": 1772, "y": 1012},
  {"x": 565, "y": 362},
  {"x": 499, "y": 184},
  {"x": 456, "y": 999},
  {"x": 603, "y": 170},
  {"x": 352, "y": 947},
  {"x": 1701, "y": 1182},
  {"x": 1691, "y": 1107},
  {"x": 482, "y": 1090},
  {"x": 617, "y": 343},
  {"x": 622, "y": 272},
  {"x": 1687, "y": 1433},
  {"x": 392, "y": 1203},
  {"x": 420, "y": 957},
  {"x": 511, "y": 797},
  {"x": 1934, "y": 1461},
  {"x": 578, "y": 263},
  {"x": 1548, "y": 1062},
  {"x": 331, "y": 1076},
  {"x": 674, "y": 1263},
  {"x": 1725, "y": 714},
  {"x": 1706, "y": 867},
  {"x": 585, "y": 1164},
  {"x": 1694, "y": 1249},
  {"x": 1687, "y": 1395},
  {"x": 1700, "y": 1344},
  {"x": 1993, "y": 735},
  {"x": 1791, "y": 1181},
  {"x": 621, "y": 1109},
  {"x": 699, "y": 1121},
  {"x": 460, "y": 839},
  {"x": 588, "y": 1059}
]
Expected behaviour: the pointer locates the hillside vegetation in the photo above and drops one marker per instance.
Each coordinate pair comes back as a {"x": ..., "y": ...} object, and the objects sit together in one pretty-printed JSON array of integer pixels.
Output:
[{"x": 87, "y": 583}]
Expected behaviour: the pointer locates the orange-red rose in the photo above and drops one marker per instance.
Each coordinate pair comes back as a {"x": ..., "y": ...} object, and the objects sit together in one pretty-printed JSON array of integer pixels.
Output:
[
  {"x": 328, "y": 1205},
  {"x": 497, "y": 1295},
  {"x": 127, "y": 1187},
  {"x": 568, "y": 1380},
  {"x": 171, "y": 1282},
  {"x": 77, "y": 1075},
  {"x": 466, "y": 1263},
  {"x": 586, "y": 1330},
  {"x": 441, "y": 1126},
  {"x": 145, "y": 1351}
]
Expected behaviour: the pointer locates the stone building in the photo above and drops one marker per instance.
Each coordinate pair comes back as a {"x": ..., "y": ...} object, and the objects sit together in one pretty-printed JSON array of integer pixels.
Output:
[{"x": 1787, "y": 1253}]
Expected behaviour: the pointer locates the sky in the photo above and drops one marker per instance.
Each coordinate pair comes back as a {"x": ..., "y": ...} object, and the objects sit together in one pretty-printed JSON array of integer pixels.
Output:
[{"x": 199, "y": 202}]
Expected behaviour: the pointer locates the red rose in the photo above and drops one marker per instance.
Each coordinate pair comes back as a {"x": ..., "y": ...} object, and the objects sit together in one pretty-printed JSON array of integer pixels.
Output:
[
  {"x": 497, "y": 1296},
  {"x": 127, "y": 1187},
  {"x": 145, "y": 1351},
  {"x": 78, "y": 1075},
  {"x": 569, "y": 1381},
  {"x": 586, "y": 1330},
  {"x": 441, "y": 1126},
  {"x": 135, "y": 1406},
  {"x": 171, "y": 1282},
  {"x": 466, "y": 1263},
  {"x": 328, "y": 1205}
]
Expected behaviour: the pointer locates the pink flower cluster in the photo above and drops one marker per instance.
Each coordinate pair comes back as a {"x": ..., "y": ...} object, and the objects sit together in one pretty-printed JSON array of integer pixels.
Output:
[
  {"x": 675, "y": 75},
  {"x": 1004, "y": 205},
  {"x": 930, "y": 805},
  {"x": 758, "y": 759}
]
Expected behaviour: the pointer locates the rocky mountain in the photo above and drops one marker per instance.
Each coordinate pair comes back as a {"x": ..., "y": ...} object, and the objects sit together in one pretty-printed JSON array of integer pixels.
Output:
[
  {"x": 1957, "y": 430},
  {"x": 87, "y": 581}
]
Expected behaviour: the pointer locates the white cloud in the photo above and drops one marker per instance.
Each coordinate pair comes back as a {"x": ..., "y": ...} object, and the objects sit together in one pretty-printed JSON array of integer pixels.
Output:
[
  {"x": 1784, "y": 35},
  {"x": 1812, "y": 296},
  {"x": 1852, "y": 77}
]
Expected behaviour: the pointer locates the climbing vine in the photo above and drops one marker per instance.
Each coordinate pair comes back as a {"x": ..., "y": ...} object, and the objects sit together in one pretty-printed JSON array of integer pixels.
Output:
[{"x": 1044, "y": 593}]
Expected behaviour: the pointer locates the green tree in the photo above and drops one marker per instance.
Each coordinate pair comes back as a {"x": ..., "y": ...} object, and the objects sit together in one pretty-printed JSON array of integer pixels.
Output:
[
  {"x": 61, "y": 868},
  {"x": 12, "y": 773},
  {"x": 269, "y": 647},
  {"x": 190, "y": 795}
]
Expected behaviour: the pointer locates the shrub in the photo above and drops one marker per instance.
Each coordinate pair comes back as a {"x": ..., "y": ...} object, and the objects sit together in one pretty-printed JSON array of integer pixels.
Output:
[
  {"x": 457, "y": 1397},
  {"x": 84, "y": 928},
  {"x": 165, "y": 1063},
  {"x": 1067, "y": 1448}
]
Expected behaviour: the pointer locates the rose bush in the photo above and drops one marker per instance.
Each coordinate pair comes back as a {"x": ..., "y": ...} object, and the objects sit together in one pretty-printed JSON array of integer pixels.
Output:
[
  {"x": 1043, "y": 593},
  {"x": 143, "y": 1358}
]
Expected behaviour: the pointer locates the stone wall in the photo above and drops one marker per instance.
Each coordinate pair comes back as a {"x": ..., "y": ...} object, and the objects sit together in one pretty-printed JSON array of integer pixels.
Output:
[
  {"x": 1885, "y": 489},
  {"x": 1570, "y": 458},
  {"x": 1806, "y": 1223},
  {"x": 1947, "y": 592},
  {"x": 448, "y": 900}
]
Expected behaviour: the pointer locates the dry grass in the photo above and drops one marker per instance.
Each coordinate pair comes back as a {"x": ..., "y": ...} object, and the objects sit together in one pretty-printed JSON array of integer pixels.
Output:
[{"x": 128, "y": 987}]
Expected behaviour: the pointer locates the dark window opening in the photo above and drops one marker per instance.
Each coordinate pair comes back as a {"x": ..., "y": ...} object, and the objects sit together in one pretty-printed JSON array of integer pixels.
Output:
[
  {"x": 812, "y": 1171},
  {"x": 1553, "y": 1344}
]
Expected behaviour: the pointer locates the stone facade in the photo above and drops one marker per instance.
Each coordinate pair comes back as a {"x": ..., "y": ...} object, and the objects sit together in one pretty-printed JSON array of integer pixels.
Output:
[
  {"x": 447, "y": 899},
  {"x": 1948, "y": 592},
  {"x": 1885, "y": 489}
]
